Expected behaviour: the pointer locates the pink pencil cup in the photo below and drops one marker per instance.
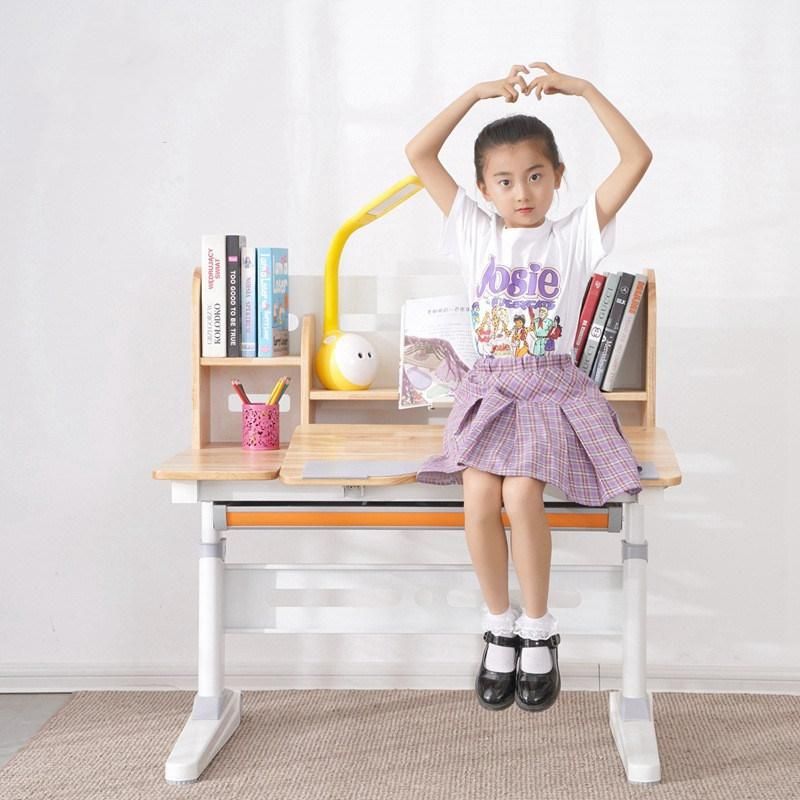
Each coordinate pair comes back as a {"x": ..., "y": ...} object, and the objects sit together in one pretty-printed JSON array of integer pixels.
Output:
[{"x": 260, "y": 427}]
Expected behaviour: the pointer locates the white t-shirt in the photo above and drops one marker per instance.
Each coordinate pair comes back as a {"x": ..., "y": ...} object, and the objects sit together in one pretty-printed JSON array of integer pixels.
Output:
[{"x": 536, "y": 275}]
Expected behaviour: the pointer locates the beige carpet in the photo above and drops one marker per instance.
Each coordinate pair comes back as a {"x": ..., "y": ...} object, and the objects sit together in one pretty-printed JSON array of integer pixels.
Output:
[{"x": 376, "y": 745}]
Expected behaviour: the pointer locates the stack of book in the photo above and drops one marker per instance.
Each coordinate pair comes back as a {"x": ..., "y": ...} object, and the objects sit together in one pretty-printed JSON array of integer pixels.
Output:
[
  {"x": 244, "y": 299},
  {"x": 608, "y": 313}
]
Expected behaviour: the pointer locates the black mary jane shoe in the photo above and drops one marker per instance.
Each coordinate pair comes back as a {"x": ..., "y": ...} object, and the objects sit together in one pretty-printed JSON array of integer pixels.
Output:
[
  {"x": 495, "y": 690},
  {"x": 537, "y": 692}
]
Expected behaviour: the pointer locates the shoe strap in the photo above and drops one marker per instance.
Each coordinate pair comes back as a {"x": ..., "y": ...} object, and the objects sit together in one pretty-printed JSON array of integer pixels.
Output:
[
  {"x": 504, "y": 641},
  {"x": 552, "y": 642}
]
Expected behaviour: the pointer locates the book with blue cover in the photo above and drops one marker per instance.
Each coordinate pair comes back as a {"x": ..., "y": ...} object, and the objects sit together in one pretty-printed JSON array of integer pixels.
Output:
[{"x": 272, "y": 292}]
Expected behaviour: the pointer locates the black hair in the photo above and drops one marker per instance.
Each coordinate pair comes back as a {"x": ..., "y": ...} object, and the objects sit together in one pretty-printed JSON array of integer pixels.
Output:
[{"x": 511, "y": 130}]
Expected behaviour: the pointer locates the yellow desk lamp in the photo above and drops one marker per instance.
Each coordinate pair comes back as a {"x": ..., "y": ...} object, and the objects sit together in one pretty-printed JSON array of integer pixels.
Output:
[{"x": 346, "y": 361}]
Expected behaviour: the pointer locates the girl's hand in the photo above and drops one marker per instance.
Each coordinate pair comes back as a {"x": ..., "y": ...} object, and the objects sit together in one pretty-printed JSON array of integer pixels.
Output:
[
  {"x": 505, "y": 87},
  {"x": 554, "y": 82}
]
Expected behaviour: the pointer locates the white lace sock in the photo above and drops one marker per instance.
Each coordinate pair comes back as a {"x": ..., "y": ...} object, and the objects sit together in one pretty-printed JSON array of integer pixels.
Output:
[
  {"x": 498, "y": 657},
  {"x": 535, "y": 659}
]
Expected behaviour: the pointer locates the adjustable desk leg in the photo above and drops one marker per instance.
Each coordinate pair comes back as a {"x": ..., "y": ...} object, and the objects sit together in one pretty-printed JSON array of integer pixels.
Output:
[
  {"x": 216, "y": 712},
  {"x": 631, "y": 710}
]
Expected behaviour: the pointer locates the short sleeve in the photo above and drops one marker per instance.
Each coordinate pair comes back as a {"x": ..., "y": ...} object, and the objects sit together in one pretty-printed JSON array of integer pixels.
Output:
[
  {"x": 595, "y": 245},
  {"x": 464, "y": 228},
  {"x": 588, "y": 245}
]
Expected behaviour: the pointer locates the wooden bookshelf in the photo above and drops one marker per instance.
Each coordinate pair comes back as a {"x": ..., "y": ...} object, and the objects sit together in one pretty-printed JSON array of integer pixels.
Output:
[
  {"x": 201, "y": 371},
  {"x": 636, "y": 407}
]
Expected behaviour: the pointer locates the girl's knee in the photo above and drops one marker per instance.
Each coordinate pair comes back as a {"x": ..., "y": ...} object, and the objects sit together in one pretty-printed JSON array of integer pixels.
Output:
[
  {"x": 522, "y": 493},
  {"x": 482, "y": 489}
]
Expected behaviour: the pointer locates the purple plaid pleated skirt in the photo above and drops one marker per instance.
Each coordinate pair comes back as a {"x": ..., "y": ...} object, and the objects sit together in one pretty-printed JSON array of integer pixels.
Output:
[{"x": 540, "y": 417}]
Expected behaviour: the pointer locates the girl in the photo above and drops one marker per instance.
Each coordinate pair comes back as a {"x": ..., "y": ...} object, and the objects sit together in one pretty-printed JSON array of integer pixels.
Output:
[{"x": 521, "y": 422}]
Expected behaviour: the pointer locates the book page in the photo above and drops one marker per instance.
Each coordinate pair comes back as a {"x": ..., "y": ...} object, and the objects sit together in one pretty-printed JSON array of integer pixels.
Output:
[{"x": 436, "y": 349}]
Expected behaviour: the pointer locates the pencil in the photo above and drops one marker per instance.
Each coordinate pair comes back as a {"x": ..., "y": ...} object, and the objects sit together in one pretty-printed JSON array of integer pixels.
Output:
[
  {"x": 240, "y": 391},
  {"x": 275, "y": 391},
  {"x": 282, "y": 392}
]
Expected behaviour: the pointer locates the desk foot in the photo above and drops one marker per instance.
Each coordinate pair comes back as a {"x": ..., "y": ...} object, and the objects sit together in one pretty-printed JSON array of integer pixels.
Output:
[
  {"x": 201, "y": 740},
  {"x": 636, "y": 741}
]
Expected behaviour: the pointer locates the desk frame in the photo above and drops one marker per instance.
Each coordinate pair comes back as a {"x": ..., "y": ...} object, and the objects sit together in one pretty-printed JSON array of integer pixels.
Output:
[{"x": 216, "y": 710}]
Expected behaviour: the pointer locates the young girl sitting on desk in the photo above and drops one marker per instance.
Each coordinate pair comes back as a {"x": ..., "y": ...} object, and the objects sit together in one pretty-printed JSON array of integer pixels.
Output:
[{"x": 525, "y": 416}]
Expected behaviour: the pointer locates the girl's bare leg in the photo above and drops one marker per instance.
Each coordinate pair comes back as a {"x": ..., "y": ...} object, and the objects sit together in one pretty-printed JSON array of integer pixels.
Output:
[
  {"x": 486, "y": 538},
  {"x": 531, "y": 540}
]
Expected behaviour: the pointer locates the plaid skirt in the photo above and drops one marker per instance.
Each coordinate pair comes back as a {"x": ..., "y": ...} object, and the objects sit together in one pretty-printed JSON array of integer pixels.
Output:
[{"x": 540, "y": 417}]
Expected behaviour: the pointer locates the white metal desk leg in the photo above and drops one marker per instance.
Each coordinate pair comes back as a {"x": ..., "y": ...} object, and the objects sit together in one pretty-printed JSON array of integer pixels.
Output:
[
  {"x": 631, "y": 710},
  {"x": 216, "y": 711}
]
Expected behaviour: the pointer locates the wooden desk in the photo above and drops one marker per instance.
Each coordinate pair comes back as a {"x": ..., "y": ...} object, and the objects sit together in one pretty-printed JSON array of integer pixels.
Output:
[
  {"x": 235, "y": 488},
  {"x": 228, "y": 462}
]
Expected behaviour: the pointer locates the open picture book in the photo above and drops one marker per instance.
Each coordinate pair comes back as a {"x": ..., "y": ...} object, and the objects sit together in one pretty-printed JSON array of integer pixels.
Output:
[{"x": 436, "y": 349}]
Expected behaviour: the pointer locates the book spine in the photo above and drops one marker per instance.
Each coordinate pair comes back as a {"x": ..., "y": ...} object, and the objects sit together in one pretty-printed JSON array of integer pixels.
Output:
[
  {"x": 403, "y": 389},
  {"x": 592, "y": 296},
  {"x": 599, "y": 323},
  {"x": 632, "y": 309},
  {"x": 609, "y": 338},
  {"x": 280, "y": 302},
  {"x": 233, "y": 261},
  {"x": 248, "y": 302},
  {"x": 264, "y": 293},
  {"x": 212, "y": 296}
]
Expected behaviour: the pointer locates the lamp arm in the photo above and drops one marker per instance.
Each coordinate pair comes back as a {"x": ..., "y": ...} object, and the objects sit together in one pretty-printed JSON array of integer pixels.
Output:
[
  {"x": 331, "y": 294},
  {"x": 381, "y": 205}
]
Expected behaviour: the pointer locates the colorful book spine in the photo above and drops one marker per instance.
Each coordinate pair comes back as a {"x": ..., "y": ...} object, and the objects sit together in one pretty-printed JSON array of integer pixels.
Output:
[
  {"x": 249, "y": 305},
  {"x": 609, "y": 337},
  {"x": 272, "y": 321},
  {"x": 635, "y": 301},
  {"x": 591, "y": 297},
  {"x": 233, "y": 261},
  {"x": 212, "y": 296},
  {"x": 599, "y": 323}
]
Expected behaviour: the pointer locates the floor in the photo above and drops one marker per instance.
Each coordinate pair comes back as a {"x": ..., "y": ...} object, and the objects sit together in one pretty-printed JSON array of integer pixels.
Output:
[{"x": 21, "y": 715}]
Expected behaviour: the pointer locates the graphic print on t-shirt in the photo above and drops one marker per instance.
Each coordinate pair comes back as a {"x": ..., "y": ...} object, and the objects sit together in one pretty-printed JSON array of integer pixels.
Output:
[
  {"x": 514, "y": 313},
  {"x": 524, "y": 285}
]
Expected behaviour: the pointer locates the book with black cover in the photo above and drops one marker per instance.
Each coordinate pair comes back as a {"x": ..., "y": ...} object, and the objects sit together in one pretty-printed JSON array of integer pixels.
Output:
[
  {"x": 233, "y": 268},
  {"x": 613, "y": 322}
]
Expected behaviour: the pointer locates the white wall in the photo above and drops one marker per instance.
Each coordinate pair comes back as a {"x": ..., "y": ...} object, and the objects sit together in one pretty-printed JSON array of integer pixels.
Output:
[{"x": 131, "y": 129}]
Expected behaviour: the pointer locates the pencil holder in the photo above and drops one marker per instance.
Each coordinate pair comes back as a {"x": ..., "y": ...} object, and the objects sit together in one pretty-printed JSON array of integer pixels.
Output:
[{"x": 260, "y": 426}]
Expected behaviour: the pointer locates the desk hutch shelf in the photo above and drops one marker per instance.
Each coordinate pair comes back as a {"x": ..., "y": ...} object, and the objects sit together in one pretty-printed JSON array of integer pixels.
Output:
[{"x": 636, "y": 407}]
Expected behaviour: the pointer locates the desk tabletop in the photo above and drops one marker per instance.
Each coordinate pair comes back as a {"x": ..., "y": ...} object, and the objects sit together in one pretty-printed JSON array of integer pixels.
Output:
[
  {"x": 225, "y": 461},
  {"x": 337, "y": 442}
]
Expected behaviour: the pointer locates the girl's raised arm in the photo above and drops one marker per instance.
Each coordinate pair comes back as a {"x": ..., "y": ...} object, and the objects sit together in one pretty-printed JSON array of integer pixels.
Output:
[
  {"x": 634, "y": 155},
  {"x": 423, "y": 150}
]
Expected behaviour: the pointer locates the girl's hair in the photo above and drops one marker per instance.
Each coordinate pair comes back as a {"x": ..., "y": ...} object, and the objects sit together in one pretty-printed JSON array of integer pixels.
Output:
[{"x": 511, "y": 130}]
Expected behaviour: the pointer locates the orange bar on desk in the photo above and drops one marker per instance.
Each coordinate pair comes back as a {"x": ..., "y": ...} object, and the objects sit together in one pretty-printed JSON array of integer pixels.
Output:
[{"x": 391, "y": 519}]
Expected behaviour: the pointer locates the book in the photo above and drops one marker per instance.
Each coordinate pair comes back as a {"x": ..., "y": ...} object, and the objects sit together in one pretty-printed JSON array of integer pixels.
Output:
[
  {"x": 609, "y": 337},
  {"x": 591, "y": 297},
  {"x": 437, "y": 348},
  {"x": 233, "y": 269},
  {"x": 628, "y": 338},
  {"x": 272, "y": 291},
  {"x": 599, "y": 323},
  {"x": 212, "y": 296},
  {"x": 249, "y": 298}
]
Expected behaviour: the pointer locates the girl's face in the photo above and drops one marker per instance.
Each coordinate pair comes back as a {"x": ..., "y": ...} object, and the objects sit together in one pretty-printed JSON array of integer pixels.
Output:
[{"x": 520, "y": 180}]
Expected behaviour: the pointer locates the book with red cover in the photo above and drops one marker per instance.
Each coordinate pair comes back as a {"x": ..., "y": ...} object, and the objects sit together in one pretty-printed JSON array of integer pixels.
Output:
[{"x": 591, "y": 297}]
